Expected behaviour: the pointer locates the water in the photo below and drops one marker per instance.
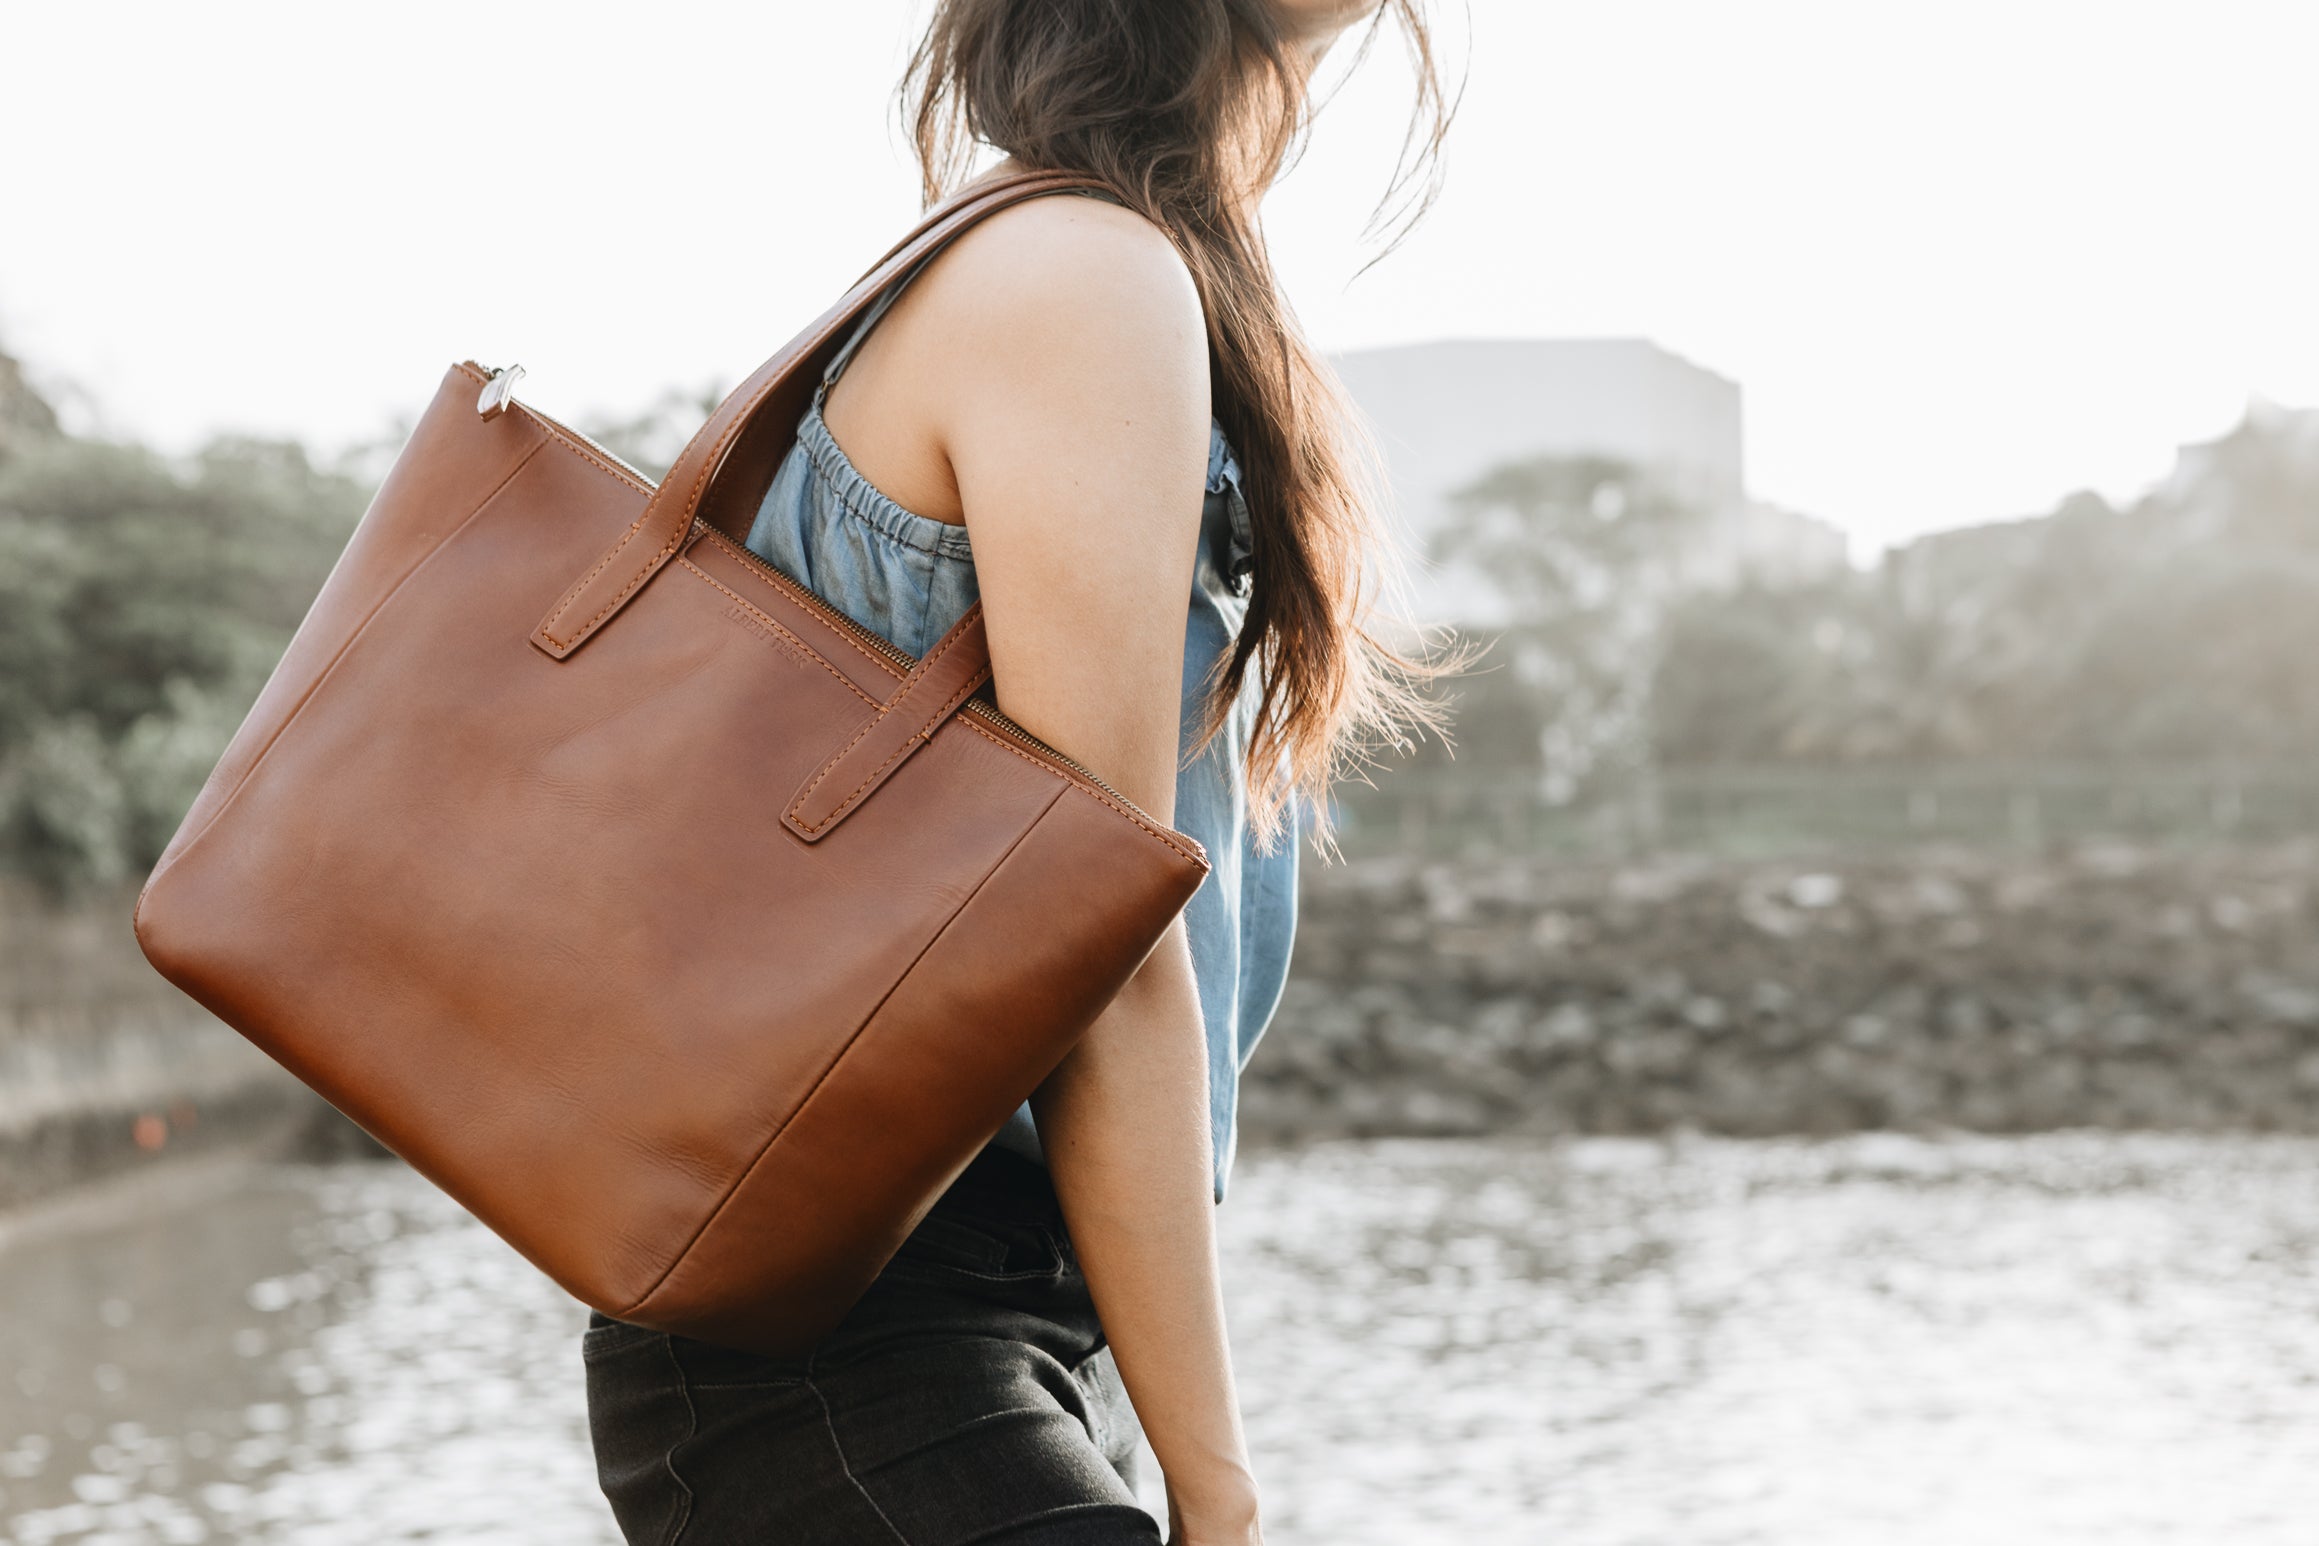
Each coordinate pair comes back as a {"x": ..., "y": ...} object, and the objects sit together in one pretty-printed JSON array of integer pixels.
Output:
[{"x": 1901, "y": 1341}]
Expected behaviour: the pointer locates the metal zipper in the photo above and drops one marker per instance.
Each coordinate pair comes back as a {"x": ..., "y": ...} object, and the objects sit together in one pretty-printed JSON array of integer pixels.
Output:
[
  {"x": 988, "y": 713},
  {"x": 498, "y": 396},
  {"x": 569, "y": 433},
  {"x": 997, "y": 720},
  {"x": 815, "y": 604}
]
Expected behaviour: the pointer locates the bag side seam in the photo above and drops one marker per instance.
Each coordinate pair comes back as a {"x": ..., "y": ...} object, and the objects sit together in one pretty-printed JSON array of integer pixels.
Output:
[
  {"x": 774, "y": 1137},
  {"x": 322, "y": 677}
]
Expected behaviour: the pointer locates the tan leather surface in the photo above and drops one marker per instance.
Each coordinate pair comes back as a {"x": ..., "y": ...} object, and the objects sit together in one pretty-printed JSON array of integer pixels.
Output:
[
  {"x": 439, "y": 479},
  {"x": 554, "y": 930}
]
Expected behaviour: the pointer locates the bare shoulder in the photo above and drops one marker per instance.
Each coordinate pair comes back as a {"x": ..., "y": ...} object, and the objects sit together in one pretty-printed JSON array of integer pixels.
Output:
[
  {"x": 1074, "y": 285},
  {"x": 1067, "y": 249},
  {"x": 1061, "y": 329}
]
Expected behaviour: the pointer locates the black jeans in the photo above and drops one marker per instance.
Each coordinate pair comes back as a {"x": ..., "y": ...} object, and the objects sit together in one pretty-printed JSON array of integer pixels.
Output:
[{"x": 969, "y": 1397}]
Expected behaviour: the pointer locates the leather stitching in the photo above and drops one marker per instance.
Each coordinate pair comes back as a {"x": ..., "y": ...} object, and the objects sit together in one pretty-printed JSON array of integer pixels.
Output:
[
  {"x": 908, "y": 683},
  {"x": 775, "y": 624},
  {"x": 924, "y": 732},
  {"x": 626, "y": 479},
  {"x": 1173, "y": 840},
  {"x": 917, "y": 675},
  {"x": 572, "y": 597},
  {"x": 780, "y": 585},
  {"x": 836, "y": 758}
]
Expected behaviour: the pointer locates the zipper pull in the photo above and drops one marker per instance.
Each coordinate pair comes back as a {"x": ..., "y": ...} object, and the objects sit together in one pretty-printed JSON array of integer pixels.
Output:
[{"x": 498, "y": 392}]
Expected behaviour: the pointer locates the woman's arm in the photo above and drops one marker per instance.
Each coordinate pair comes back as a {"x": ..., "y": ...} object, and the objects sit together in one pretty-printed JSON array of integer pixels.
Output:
[
  {"x": 1125, "y": 1125},
  {"x": 1073, "y": 408}
]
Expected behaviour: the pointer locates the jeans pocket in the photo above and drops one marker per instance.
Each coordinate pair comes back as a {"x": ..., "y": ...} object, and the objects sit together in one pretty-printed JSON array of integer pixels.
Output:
[
  {"x": 713, "y": 1366},
  {"x": 606, "y": 1336},
  {"x": 986, "y": 1249}
]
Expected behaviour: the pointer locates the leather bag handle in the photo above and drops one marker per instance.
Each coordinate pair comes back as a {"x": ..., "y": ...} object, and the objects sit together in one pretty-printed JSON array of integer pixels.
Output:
[
  {"x": 958, "y": 664},
  {"x": 750, "y": 420}
]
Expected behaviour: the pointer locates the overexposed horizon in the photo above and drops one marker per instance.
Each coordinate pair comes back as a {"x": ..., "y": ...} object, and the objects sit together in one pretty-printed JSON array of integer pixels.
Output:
[{"x": 1962, "y": 262}]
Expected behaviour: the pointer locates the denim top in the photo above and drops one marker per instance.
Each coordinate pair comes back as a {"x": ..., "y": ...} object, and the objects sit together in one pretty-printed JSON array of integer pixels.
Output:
[{"x": 909, "y": 577}]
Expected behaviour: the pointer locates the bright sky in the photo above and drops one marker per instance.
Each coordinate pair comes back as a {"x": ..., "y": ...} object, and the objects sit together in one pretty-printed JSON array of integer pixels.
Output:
[{"x": 1963, "y": 258}]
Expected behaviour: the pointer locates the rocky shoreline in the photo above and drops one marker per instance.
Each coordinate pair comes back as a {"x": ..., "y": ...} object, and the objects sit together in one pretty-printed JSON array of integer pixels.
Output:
[{"x": 2105, "y": 987}]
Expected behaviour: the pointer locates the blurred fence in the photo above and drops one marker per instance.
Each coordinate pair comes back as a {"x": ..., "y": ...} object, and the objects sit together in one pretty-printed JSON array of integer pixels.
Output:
[{"x": 1743, "y": 812}]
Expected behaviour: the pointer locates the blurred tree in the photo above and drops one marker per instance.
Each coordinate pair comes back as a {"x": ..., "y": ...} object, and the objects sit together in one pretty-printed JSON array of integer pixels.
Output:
[
  {"x": 1577, "y": 555},
  {"x": 144, "y": 599},
  {"x": 142, "y": 603},
  {"x": 1745, "y": 674},
  {"x": 652, "y": 440},
  {"x": 2210, "y": 656}
]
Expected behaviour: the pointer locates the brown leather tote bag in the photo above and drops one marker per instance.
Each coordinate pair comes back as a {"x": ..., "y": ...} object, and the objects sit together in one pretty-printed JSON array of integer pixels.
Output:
[{"x": 691, "y": 936}]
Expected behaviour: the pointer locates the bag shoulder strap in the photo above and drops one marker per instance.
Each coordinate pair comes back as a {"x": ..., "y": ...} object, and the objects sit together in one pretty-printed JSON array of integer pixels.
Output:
[
  {"x": 728, "y": 464},
  {"x": 861, "y": 329}
]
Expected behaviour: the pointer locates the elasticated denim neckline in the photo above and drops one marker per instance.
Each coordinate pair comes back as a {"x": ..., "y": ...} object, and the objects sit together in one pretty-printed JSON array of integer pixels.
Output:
[{"x": 862, "y": 500}]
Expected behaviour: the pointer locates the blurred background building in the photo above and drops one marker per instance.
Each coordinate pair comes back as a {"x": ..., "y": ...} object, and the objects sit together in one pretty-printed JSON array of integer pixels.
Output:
[{"x": 1445, "y": 413}]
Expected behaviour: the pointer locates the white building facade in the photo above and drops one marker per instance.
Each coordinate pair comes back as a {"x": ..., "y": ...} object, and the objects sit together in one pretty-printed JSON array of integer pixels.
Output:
[{"x": 1445, "y": 413}]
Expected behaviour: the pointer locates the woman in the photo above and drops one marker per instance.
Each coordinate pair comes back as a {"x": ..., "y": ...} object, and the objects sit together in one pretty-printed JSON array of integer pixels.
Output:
[{"x": 1083, "y": 410}]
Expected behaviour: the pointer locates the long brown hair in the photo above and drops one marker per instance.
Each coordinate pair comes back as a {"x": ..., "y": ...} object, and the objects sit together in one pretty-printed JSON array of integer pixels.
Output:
[{"x": 1188, "y": 109}]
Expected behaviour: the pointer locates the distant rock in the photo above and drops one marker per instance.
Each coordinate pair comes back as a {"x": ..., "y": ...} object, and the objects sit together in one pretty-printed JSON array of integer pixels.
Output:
[{"x": 1998, "y": 992}]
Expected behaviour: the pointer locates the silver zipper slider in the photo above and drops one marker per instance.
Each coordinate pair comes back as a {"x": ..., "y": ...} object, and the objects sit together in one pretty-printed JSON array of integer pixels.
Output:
[{"x": 498, "y": 392}]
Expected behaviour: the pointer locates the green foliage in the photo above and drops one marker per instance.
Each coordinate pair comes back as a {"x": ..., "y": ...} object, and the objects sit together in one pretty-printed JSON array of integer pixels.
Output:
[
  {"x": 142, "y": 603},
  {"x": 64, "y": 812},
  {"x": 26, "y": 418},
  {"x": 143, "y": 600}
]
